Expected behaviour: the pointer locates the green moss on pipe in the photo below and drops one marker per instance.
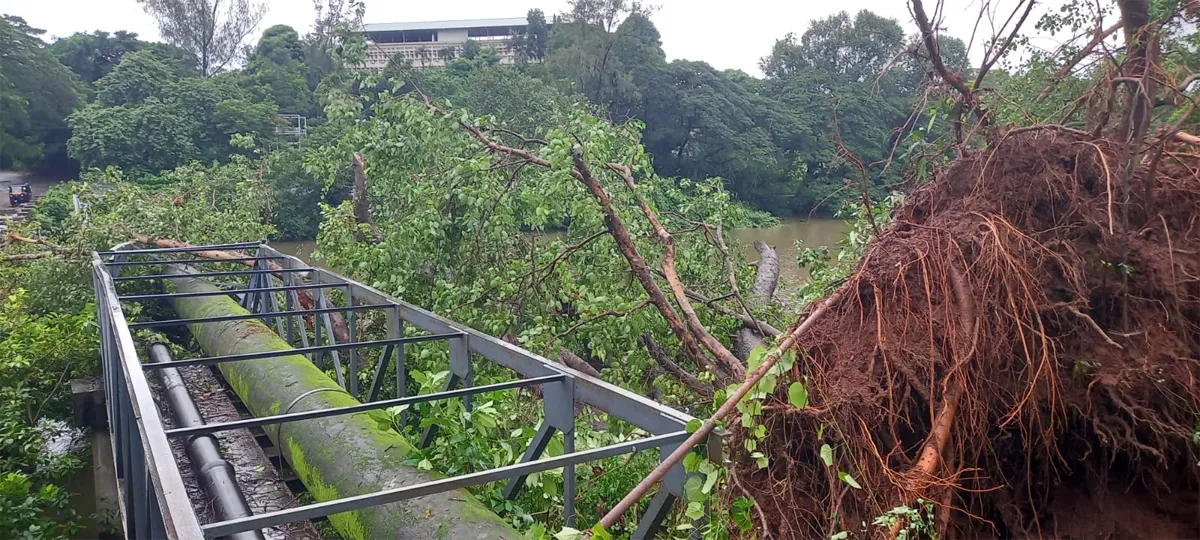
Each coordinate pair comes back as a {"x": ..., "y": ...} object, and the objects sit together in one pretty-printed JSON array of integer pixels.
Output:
[{"x": 338, "y": 456}]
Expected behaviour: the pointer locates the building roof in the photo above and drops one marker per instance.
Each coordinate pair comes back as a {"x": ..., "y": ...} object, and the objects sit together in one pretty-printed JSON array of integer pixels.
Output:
[{"x": 444, "y": 25}]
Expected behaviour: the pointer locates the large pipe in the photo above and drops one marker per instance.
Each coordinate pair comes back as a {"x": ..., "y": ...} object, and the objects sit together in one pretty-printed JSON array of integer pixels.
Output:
[
  {"x": 217, "y": 476},
  {"x": 338, "y": 456}
]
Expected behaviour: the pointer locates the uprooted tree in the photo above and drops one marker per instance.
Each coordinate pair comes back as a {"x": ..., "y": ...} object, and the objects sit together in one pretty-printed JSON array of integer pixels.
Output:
[{"x": 1016, "y": 353}]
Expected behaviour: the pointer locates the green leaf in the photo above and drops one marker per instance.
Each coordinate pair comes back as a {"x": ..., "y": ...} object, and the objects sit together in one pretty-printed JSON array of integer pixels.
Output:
[
  {"x": 600, "y": 533},
  {"x": 693, "y": 489},
  {"x": 798, "y": 395},
  {"x": 568, "y": 534},
  {"x": 756, "y": 357},
  {"x": 710, "y": 481},
  {"x": 827, "y": 455},
  {"x": 693, "y": 425},
  {"x": 849, "y": 480},
  {"x": 536, "y": 531},
  {"x": 695, "y": 510},
  {"x": 740, "y": 513}
]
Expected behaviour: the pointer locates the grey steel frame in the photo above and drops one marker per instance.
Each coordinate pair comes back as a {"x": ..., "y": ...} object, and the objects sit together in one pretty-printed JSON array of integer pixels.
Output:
[{"x": 154, "y": 501}]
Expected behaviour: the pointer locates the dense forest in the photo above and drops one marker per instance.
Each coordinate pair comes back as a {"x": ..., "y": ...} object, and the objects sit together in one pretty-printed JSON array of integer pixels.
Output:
[
  {"x": 1006, "y": 335},
  {"x": 766, "y": 138}
]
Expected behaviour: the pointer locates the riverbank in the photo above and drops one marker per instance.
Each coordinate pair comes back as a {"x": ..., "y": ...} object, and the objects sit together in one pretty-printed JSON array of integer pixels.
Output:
[{"x": 783, "y": 237}]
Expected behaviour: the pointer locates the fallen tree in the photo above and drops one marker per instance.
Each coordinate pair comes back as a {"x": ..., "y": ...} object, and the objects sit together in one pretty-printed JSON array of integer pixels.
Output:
[{"x": 1009, "y": 352}]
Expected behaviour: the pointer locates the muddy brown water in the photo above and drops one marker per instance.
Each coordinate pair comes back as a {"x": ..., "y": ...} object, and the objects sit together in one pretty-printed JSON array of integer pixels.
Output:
[{"x": 783, "y": 237}]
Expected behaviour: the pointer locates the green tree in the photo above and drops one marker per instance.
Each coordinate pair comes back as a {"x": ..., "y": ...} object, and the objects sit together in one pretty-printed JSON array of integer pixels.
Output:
[
  {"x": 532, "y": 43},
  {"x": 212, "y": 31},
  {"x": 847, "y": 76},
  {"x": 94, "y": 55},
  {"x": 36, "y": 95},
  {"x": 278, "y": 66},
  {"x": 139, "y": 75},
  {"x": 584, "y": 50},
  {"x": 145, "y": 120}
]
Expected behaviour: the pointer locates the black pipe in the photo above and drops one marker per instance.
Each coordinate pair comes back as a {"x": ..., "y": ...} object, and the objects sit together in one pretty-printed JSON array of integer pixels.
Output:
[{"x": 216, "y": 475}]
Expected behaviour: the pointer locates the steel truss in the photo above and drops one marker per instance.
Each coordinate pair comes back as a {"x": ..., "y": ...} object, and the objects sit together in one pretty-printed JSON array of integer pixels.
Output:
[{"x": 154, "y": 501}]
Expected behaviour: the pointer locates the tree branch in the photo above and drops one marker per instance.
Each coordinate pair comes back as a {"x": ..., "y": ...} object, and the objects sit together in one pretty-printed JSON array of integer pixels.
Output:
[
  {"x": 594, "y": 318},
  {"x": 576, "y": 363},
  {"x": 697, "y": 437},
  {"x": 660, "y": 355},
  {"x": 27, "y": 256},
  {"x": 723, "y": 355},
  {"x": 638, "y": 265},
  {"x": 1086, "y": 51}
]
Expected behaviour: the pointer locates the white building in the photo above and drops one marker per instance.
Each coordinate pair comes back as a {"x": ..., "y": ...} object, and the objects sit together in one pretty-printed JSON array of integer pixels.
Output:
[{"x": 422, "y": 43}]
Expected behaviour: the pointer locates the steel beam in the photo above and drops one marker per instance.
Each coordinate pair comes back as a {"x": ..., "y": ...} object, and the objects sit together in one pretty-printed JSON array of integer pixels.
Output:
[
  {"x": 253, "y": 356},
  {"x": 656, "y": 513},
  {"x": 270, "y": 519},
  {"x": 248, "y": 316},
  {"x": 189, "y": 261},
  {"x": 167, "y": 296},
  {"x": 188, "y": 249},
  {"x": 212, "y": 274},
  {"x": 322, "y": 413}
]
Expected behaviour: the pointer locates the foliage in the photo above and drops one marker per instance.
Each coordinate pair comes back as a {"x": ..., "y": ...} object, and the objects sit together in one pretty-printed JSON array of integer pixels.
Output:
[
  {"x": 36, "y": 95},
  {"x": 214, "y": 204},
  {"x": 212, "y": 31},
  {"x": 532, "y": 44},
  {"x": 35, "y": 512},
  {"x": 297, "y": 193},
  {"x": 94, "y": 55},
  {"x": 138, "y": 77},
  {"x": 513, "y": 99},
  {"x": 917, "y": 522},
  {"x": 516, "y": 252},
  {"x": 278, "y": 67},
  {"x": 772, "y": 141},
  {"x": 40, "y": 350},
  {"x": 145, "y": 120}
]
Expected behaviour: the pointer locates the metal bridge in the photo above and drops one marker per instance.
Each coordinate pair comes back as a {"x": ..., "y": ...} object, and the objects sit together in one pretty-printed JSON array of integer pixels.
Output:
[{"x": 153, "y": 500}]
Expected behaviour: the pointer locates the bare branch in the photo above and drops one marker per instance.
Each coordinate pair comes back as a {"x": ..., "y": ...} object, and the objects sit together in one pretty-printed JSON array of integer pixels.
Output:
[
  {"x": 1086, "y": 51},
  {"x": 723, "y": 355}
]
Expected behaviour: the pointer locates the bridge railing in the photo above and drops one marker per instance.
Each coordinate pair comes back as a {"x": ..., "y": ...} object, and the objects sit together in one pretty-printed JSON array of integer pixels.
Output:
[{"x": 154, "y": 497}]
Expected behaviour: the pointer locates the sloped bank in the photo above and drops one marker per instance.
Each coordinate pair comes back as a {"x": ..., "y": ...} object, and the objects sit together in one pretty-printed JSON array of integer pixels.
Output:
[{"x": 335, "y": 457}]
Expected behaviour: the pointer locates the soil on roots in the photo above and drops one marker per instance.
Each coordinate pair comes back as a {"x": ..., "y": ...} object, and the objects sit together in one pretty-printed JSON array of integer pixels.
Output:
[{"x": 1044, "y": 309}]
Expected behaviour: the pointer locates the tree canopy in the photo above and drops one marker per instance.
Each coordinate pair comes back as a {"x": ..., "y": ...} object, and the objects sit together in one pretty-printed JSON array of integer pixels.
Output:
[
  {"x": 212, "y": 31},
  {"x": 37, "y": 92}
]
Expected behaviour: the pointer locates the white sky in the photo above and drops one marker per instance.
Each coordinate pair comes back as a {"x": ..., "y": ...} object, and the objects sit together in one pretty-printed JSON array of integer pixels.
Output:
[{"x": 725, "y": 34}]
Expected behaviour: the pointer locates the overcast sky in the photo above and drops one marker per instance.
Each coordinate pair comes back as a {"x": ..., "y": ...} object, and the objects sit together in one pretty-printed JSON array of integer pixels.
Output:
[{"x": 726, "y": 34}]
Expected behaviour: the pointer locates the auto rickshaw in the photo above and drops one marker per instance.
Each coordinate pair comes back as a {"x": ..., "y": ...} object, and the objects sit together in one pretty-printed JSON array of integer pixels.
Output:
[{"x": 19, "y": 194}]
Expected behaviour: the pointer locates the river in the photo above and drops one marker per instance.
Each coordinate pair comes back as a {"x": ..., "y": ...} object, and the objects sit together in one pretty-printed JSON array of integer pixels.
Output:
[{"x": 813, "y": 232}]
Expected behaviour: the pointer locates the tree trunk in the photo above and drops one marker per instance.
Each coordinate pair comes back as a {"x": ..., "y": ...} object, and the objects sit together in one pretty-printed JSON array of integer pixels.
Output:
[
  {"x": 765, "y": 281},
  {"x": 338, "y": 456}
]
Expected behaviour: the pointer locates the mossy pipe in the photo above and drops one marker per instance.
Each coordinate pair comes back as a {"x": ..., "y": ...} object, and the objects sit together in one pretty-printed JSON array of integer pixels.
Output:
[{"x": 338, "y": 456}]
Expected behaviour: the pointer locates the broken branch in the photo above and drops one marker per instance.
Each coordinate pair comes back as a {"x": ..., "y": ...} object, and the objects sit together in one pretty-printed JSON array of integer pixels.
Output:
[{"x": 769, "y": 361}]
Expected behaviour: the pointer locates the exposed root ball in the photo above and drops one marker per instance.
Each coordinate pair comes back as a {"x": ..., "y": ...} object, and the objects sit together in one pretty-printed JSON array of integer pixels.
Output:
[{"x": 1039, "y": 315}]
